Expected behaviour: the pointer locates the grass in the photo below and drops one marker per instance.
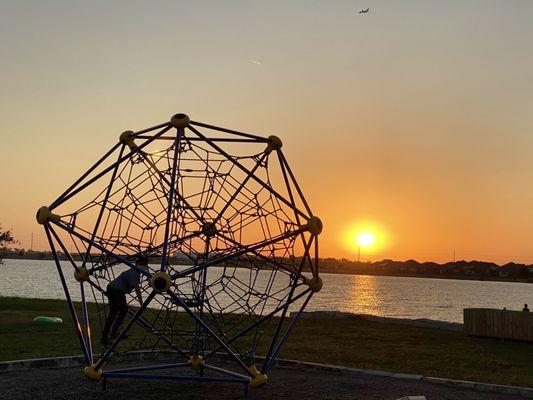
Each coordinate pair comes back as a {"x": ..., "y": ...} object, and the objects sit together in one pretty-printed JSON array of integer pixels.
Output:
[{"x": 349, "y": 342}]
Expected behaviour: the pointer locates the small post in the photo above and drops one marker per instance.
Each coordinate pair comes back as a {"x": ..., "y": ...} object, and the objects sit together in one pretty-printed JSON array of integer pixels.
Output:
[{"x": 246, "y": 390}]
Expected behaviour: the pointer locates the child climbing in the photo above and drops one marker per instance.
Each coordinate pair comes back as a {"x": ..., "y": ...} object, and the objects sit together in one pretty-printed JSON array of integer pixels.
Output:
[{"x": 116, "y": 292}]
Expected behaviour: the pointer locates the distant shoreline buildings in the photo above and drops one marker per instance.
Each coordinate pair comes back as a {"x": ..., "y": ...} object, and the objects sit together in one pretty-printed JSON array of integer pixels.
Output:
[{"x": 475, "y": 270}]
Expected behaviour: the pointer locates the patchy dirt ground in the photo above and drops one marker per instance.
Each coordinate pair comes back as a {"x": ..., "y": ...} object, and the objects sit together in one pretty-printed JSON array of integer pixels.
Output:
[{"x": 285, "y": 383}]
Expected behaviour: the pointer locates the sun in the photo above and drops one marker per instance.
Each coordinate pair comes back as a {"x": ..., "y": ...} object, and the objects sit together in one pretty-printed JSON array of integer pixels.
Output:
[{"x": 365, "y": 239}]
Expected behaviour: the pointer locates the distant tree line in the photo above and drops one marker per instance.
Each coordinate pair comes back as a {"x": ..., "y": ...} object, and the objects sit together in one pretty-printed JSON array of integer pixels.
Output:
[
  {"x": 459, "y": 269},
  {"x": 6, "y": 238},
  {"x": 474, "y": 269}
]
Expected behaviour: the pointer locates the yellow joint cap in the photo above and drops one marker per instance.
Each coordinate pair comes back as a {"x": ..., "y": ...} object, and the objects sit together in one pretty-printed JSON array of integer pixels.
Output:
[
  {"x": 315, "y": 284},
  {"x": 127, "y": 138},
  {"x": 180, "y": 120},
  {"x": 195, "y": 362},
  {"x": 274, "y": 143},
  {"x": 44, "y": 214},
  {"x": 82, "y": 274},
  {"x": 160, "y": 282},
  {"x": 258, "y": 380},
  {"x": 314, "y": 225},
  {"x": 92, "y": 373}
]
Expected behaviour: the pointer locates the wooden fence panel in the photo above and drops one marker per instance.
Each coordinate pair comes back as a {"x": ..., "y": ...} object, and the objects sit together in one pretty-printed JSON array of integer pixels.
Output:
[{"x": 505, "y": 324}]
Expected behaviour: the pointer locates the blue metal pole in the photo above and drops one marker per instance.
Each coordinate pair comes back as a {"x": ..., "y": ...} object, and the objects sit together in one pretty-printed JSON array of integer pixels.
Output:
[
  {"x": 203, "y": 279},
  {"x": 102, "y": 208},
  {"x": 236, "y": 254},
  {"x": 244, "y": 169},
  {"x": 258, "y": 322},
  {"x": 60, "y": 198},
  {"x": 315, "y": 271},
  {"x": 164, "y": 258},
  {"x": 106, "y": 170},
  {"x": 152, "y": 128},
  {"x": 306, "y": 205},
  {"x": 73, "y": 263},
  {"x": 86, "y": 323},
  {"x": 150, "y": 368},
  {"x": 195, "y": 139},
  {"x": 243, "y": 134},
  {"x": 284, "y": 165},
  {"x": 186, "y": 204},
  {"x": 243, "y": 183},
  {"x": 292, "y": 272},
  {"x": 174, "y": 377},
  {"x": 268, "y": 363},
  {"x": 211, "y": 333},
  {"x": 101, "y": 248},
  {"x": 225, "y": 371},
  {"x": 146, "y": 325},
  {"x": 77, "y": 327},
  {"x": 85, "y": 317},
  {"x": 124, "y": 331},
  {"x": 282, "y": 318},
  {"x": 64, "y": 249}
]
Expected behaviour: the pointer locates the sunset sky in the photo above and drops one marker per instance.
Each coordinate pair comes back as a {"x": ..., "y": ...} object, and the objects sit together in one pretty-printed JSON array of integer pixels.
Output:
[{"x": 413, "y": 121}]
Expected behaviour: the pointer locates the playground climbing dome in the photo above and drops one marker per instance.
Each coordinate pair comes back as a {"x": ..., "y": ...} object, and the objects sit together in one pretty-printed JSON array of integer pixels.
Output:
[{"x": 232, "y": 244}]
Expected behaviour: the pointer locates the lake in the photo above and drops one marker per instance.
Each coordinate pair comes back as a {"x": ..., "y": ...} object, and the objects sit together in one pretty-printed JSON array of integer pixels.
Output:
[{"x": 387, "y": 296}]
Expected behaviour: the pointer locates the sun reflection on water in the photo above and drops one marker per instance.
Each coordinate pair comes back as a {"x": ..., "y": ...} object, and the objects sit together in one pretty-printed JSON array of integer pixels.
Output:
[{"x": 363, "y": 290}]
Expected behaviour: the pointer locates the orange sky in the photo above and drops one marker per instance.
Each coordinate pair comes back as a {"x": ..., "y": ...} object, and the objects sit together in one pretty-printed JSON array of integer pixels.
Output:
[{"x": 415, "y": 118}]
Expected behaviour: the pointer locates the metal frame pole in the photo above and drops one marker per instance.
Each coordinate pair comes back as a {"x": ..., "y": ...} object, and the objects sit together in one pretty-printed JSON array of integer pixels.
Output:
[
  {"x": 152, "y": 128},
  {"x": 284, "y": 312},
  {"x": 211, "y": 333},
  {"x": 300, "y": 193},
  {"x": 226, "y": 140},
  {"x": 101, "y": 248},
  {"x": 265, "y": 258},
  {"x": 238, "y": 164},
  {"x": 233, "y": 132},
  {"x": 85, "y": 317},
  {"x": 125, "y": 330},
  {"x": 75, "y": 320},
  {"x": 164, "y": 257},
  {"x": 105, "y": 171},
  {"x": 101, "y": 160},
  {"x": 259, "y": 322},
  {"x": 237, "y": 254},
  {"x": 245, "y": 180},
  {"x": 104, "y": 203},
  {"x": 164, "y": 179},
  {"x": 146, "y": 325},
  {"x": 268, "y": 362}
]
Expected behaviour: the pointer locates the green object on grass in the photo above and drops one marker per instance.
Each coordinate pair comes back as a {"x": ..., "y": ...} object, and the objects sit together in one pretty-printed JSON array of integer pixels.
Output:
[{"x": 41, "y": 320}]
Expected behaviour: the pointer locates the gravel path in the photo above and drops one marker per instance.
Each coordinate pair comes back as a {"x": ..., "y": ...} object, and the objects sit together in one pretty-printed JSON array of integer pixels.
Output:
[{"x": 285, "y": 383}]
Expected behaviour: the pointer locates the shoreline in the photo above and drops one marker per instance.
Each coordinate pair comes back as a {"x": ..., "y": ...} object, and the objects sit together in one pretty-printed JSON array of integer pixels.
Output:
[
  {"x": 366, "y": 273},
  {"x": 433, "y": 276},
  {"x": 316, "y": 314},
  {"x": 418, "y": 322}
]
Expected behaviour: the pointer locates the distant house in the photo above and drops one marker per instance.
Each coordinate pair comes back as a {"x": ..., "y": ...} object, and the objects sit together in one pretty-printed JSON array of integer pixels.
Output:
[{"x": 514, "y": 270}]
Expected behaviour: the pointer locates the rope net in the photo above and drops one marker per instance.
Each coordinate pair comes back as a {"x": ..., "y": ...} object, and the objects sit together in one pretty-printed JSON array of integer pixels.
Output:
[{"x": 217, "y": 211}]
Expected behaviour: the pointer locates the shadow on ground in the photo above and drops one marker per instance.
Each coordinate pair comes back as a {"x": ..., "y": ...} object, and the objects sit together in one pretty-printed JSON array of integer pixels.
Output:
[{"x": 285, "y": 383}]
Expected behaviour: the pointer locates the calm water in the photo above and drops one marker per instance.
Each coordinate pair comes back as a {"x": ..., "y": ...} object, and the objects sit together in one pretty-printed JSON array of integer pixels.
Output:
[{"x": 379, "y": 295}]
